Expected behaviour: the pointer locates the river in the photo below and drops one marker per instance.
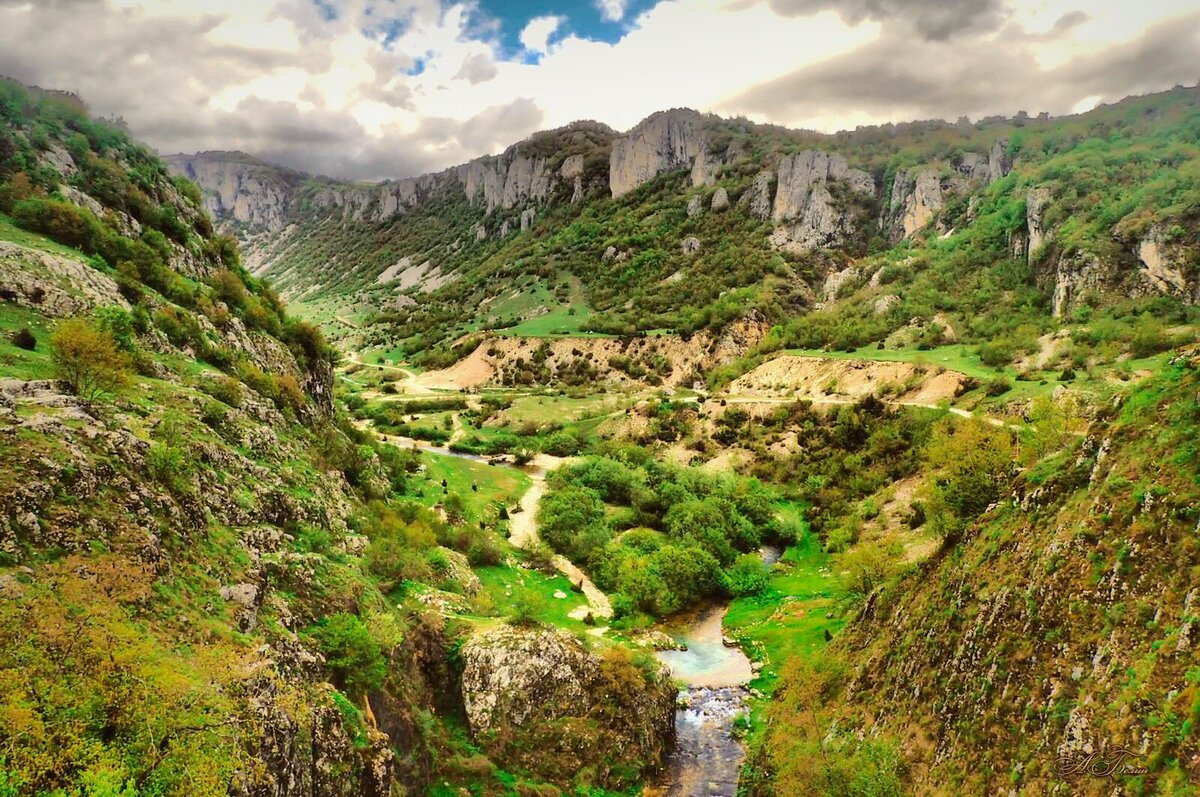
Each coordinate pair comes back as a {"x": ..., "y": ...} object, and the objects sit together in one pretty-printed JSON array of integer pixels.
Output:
[{"x": 707, "y": 758}]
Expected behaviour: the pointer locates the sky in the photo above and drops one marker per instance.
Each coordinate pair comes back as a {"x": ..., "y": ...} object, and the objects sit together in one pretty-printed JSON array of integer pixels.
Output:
[{"x": 374, "y": 89}]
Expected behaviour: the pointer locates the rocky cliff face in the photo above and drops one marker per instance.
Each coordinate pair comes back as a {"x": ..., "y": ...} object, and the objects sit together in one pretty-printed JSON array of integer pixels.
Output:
[
  {"x": 917, "y": 196},
  {"x": 240, "y": 188},
  {"x": 541, "y": 690},
  {"x": 804, "y": 205},
  {"x": 663, "y": 141},
  {"x": 1168, "y": 264}
]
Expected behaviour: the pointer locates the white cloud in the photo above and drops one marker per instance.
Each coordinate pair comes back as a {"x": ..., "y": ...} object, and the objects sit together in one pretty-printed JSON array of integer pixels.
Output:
[
  {"x": 536, "y": 35},
  {"x": 612, "y": 10},
  {"x": 399, "y": 87}
]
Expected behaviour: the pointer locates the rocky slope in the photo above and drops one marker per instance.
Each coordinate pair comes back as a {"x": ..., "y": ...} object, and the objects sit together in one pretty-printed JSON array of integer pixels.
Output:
[
  {"x": 1049, "y": 650},
  {"x": 674, "y": 222},
  {"x": 199, "y": 555}
]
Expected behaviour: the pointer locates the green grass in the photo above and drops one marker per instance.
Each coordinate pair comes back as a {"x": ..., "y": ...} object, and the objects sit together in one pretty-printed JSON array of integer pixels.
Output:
[
  {"x": 789, "y": 618},
  {"x": 497, "y": 484},
  {"x": 506, "y": 586},
  {"x": 565, "y": 409},
  {"x": 17, "y": 362}
]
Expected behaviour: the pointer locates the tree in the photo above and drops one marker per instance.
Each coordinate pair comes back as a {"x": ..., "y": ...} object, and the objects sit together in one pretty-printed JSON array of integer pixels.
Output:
[
  {"x": 748, "y": 575},
  {"x": 972, "y": 463},
  {"x": 351, "y": 653},
  {"x": 89, "y": 359},
  {"x": 567, "y": 516}
]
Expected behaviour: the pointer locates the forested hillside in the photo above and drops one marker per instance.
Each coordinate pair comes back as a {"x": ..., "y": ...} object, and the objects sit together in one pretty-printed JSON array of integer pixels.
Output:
[{"x": 990, "y": 234}]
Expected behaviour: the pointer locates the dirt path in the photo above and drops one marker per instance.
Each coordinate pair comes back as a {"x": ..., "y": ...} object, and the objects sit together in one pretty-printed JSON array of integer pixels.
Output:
[
  {"x": 410, "y": 384},
  {"x": 523, "y": 533}
]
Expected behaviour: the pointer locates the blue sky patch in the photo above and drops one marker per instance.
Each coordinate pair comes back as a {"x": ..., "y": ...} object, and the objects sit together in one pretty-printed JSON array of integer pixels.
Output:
[{"x": 582, "y": 18}]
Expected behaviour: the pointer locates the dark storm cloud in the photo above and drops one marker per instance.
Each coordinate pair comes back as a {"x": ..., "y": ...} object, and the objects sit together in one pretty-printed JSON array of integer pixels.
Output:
[
  {"x": 932, "y": 19},
  {"x": 899, "y": 78}
]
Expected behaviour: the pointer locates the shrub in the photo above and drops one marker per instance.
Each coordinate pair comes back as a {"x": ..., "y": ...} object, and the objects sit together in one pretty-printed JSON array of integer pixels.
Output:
[
  {"x": 225, "y": 389},
  {"x": 997, "y": 387},
  {"x": 748, "y": 575},
  {"x": 24, "y": 339},
  {"x": 351, "y": 653},
  {"x": 170, "y": 466},
  {"x": 89, "y": 360}
]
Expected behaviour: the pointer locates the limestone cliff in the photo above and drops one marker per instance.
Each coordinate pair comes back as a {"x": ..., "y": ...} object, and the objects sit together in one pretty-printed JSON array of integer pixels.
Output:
[
  {"x": 663, "y": 141},
  {"x": 918, "y": 195},
  {"x": 804, "y": 204},
  {"x": 239, "y": 187}
]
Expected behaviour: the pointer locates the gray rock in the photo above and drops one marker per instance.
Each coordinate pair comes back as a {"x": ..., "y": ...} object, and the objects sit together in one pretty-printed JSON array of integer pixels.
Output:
[
  {"x": 663, "y": 141},
  {"x": 804, "y": 204},
  {"x": 695, "y": 207},
  {"x": 720, "y": 199},
  {"x": 690, "y": 245},
  {"x": 758, "y": 197}
]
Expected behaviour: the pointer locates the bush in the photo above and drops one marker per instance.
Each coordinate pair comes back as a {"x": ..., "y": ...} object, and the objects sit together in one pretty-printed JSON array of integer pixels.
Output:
[
  {"x": 351, "y": 653},
  {"x": 997, "y": 387},
  {"x": 170, "y": 466},
  {"x": 24, "y": 339},
  {"x": 748, "y": 575},
  {"x": 89, "y": 360},
  {"x": 225, "y": 389}
]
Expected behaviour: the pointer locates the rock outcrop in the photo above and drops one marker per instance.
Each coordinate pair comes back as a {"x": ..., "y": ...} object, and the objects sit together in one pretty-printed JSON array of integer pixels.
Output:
[
  {"x": 757, "y": 198},
  {"x": 1074, "y": 274},
  {"x": 1037, "y": 234},
  {"x": 572, "y": 171},
  {"x": 804, "y": 204},
  {"x": 918, "y": 196},
  {"x": 55, "y": 285},
  {"x": 1165, "y": 267},
  {"x": 239, "y": 187},
  {"x": 986, "y": 168},
  {"x": 663, "y": 141},
  {"x": 562, "y": 706}
]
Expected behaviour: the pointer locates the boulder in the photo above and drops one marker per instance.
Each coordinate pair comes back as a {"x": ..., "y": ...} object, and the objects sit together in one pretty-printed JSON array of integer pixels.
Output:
[
  {"x": 720, "y": 199},
  {"x": 542, "y": 700}
]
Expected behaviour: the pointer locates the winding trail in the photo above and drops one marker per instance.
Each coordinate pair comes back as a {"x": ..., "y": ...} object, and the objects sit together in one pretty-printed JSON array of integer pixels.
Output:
[
  {"x": 523, "y": 533},
  {"x": 411, "y": 384}
]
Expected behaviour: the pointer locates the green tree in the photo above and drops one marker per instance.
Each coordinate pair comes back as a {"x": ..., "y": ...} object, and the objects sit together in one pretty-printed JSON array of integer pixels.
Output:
[
  {"x": 89, "y": 359},
  {"x": 748, "y": 575},
  {"x": 351, "y": 653}
]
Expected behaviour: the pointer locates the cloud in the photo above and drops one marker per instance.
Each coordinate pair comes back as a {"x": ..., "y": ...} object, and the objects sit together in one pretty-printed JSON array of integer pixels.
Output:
[
  {"x": 390, "y": 88},
  {"x": 477, "y": 68},
  {"x": 932, "y": 19},
  {"x": 535, "y": 37},
  {"x": 612, "y": 10},
  {"x": 897, "y": 79}
]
